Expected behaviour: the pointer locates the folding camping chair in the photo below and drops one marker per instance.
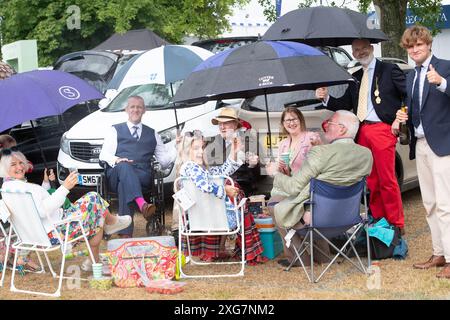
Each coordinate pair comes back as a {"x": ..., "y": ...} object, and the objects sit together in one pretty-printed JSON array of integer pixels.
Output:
[
  {"x": 4, "y": 214},
  {"x": 335, "y": 210},
  {"x": 207, "y": 217},
  {"x": 32, "y": 236}
]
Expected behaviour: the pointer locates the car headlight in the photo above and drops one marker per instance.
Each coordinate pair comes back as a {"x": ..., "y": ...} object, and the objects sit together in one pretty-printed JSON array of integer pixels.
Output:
[
  {"x": 64, "y": 145},
  {"x": 170, "y": 133}
]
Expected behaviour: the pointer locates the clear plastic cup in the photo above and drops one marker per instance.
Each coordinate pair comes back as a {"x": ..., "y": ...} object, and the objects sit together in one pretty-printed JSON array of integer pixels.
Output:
[
  {"x": 285, "y": 157},
  {"x": 97, "y": 270}
]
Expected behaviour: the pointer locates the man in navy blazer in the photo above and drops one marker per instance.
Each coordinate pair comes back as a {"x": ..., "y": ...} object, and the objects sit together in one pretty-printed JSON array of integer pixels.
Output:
[
  {"x": 375, "y": 100},
  {"x": 428, "y": 99}
]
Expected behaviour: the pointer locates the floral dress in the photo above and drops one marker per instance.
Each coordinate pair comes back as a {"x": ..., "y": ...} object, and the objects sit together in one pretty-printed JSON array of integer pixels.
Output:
[
  {"x": 202, "y": 180},
  {"x": 92, "y": 209},
  {"x": 209, "y": 246}
]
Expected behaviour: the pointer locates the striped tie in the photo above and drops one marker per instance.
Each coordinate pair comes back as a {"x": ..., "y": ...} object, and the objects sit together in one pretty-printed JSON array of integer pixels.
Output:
[
  {"x": 363, "y": 94},
  {"x": 135, "y": 133}
]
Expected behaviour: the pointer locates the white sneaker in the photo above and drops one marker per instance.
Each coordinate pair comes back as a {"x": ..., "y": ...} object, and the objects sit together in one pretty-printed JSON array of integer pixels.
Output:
[
  {"x": 87, "y": 265},
  {"x": 122, "y": 223}
]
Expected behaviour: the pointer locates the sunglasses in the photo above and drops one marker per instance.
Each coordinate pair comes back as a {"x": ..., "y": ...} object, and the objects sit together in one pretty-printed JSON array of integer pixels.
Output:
[
  {"x": 7, "y": 152},
  {"x": 194, "y": 133}
]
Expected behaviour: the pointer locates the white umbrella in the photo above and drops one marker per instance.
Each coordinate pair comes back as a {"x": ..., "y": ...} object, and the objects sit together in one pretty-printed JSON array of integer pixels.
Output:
[{"x": 163, "y": 65}]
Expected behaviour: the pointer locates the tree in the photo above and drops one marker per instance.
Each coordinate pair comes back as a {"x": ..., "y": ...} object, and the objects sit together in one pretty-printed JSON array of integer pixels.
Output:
[
  {"x": 69, "y": 25},
  {"x": 392, "y": 15}
]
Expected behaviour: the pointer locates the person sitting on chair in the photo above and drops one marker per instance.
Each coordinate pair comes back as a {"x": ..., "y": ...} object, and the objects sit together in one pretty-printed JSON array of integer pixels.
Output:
[
  {"x": 341, "y": 162},
  {"x": 218, "y": 148},
  {"x": 191, "y": 164},
  {"x": 96, "y": 217},
  {"x": 128, "y": 150}
]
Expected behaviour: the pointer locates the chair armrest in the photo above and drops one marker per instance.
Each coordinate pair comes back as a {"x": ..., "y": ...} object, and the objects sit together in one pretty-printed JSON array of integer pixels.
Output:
[{"x": 241, "y": 204}]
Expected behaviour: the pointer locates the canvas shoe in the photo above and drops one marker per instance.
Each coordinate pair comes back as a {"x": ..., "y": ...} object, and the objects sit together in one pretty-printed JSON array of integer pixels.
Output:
[
  {"x": 87, "y": 265},
  {"x": 122, "y": 223}
]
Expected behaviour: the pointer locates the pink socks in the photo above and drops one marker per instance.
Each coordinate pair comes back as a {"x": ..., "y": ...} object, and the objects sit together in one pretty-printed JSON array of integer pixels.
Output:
[{"x": 140, "y": 202}]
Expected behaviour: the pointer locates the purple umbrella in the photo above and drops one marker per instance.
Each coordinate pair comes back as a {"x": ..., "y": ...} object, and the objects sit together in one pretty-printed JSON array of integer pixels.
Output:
[{"x": 41, "y": 93}]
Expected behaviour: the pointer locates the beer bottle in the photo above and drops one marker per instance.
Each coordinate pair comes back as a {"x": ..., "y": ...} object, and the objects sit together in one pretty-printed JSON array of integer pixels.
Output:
[{"x": 403, "y": 130}]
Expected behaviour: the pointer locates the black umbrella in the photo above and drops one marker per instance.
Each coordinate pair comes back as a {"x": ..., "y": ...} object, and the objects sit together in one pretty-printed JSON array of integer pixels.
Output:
[
  {"x": 262, "y": 67},
  {"x": 324, "y": 26}
]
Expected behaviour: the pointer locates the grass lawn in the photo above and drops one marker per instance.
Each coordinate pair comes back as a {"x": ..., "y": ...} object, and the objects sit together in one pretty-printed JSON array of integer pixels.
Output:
[{"x": 269, "y": 281}]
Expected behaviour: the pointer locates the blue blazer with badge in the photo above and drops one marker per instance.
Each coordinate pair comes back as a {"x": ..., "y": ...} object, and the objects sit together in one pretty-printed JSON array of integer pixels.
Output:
[
  {"x": 434, "y": 111},
  {"x": 391, "y": 84}
]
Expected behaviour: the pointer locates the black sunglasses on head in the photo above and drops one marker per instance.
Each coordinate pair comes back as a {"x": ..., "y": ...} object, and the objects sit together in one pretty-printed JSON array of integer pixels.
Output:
[
  {"x": 194, "y": 133},
  {"x": 8, "y": 151}
]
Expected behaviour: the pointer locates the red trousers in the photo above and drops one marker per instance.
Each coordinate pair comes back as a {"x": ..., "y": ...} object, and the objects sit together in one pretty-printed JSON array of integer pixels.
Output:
[{"x": 385, "y": 197}]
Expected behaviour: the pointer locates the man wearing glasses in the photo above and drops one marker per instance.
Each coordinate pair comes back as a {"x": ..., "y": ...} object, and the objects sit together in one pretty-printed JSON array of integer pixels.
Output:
[
  {"x": 375, "y": 101},
  {"x": 128, "y": 150},
  {"x": 341, "y": 162},
  {"x": 218, "y": 148}
]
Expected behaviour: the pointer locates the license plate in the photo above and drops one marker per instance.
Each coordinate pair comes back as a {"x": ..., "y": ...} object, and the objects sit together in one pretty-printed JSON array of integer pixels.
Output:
[
  {"x": 89, "y": 179},
  {"x": 275, "y": 139}
]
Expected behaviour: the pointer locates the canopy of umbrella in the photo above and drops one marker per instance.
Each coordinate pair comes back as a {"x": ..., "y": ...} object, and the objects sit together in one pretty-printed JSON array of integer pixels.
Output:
[
  {"x": 260, "y": 68},
  {"x": 324, "y": 26},
  {"x": 41, "y": 93},
  {"x": 165, "y": 65}
]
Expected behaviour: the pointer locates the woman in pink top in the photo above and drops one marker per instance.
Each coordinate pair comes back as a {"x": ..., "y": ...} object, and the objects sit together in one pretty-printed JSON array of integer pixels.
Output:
[
  {"x": 296, "y": 146},
  {"x": 293, "y": 150}
]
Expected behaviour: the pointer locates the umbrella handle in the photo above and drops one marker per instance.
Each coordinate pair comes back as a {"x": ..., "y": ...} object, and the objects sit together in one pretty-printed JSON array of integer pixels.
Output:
[
  {"x": 174, "y": 106},
  {"x": 268, "y": 126}
]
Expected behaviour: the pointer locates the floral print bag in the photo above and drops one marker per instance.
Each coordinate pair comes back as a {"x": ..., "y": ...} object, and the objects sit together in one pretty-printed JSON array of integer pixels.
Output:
[{"x": 158, "y": 261}]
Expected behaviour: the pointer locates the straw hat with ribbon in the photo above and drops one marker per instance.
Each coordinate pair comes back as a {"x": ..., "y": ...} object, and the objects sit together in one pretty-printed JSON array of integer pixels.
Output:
[{"x": 225, "y": 115}]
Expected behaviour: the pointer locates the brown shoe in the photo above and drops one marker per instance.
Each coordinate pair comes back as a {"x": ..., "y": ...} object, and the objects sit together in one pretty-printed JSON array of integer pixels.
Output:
[
  {"x": 434, "y": 261},
  {"x": 148, "y": 209},
  {"x": 445, "y": 273}
]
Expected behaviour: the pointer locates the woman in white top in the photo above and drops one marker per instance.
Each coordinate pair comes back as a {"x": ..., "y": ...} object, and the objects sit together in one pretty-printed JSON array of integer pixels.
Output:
[{"x": 96, "y": 217}]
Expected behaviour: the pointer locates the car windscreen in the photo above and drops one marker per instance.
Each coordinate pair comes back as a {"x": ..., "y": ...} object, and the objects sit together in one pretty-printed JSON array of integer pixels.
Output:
[
  {"x": 303, "y": 99},
  {"x": 97, "y": 64},
  {"x": 122, "y": 61},
  {"x": 155, "y": 95}
]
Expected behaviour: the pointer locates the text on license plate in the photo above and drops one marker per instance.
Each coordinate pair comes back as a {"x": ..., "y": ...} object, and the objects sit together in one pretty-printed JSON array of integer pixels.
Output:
[
  {"x": 275, "y": 139},
  {"x": 89, "y": 180}
]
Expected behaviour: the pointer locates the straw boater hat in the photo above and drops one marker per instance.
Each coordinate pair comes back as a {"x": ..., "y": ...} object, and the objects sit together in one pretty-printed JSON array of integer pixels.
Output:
[{"x": 227, "y": 114}]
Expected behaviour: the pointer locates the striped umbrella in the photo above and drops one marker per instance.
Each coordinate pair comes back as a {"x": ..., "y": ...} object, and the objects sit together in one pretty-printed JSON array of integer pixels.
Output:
[
  {"x": 163, "y": 65},
  {"x": 261, "y": 68}
]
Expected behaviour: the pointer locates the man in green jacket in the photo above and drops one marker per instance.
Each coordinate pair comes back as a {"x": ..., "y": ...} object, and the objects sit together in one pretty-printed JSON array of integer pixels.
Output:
[{"x": 341, "y": 162}]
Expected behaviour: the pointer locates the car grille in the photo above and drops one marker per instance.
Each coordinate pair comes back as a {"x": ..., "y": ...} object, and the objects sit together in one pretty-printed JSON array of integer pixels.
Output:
[{"x": 84, "y": 151}]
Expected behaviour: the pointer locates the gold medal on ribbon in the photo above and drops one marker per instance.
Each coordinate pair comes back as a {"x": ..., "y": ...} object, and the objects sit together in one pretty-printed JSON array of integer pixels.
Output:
[{"x": 377, "y": 92}]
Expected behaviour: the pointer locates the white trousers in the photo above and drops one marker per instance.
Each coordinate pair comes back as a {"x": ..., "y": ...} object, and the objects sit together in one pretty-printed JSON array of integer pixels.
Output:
[{"x": 434, "y": 180}]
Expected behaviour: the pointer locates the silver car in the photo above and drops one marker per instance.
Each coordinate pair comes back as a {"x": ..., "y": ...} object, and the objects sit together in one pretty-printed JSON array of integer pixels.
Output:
[{"x": 252, "y": 110}]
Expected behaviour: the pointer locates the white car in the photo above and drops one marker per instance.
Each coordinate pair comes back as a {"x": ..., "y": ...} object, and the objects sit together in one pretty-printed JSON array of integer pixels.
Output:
[
  {"x": 145, "y": 76},
  {"x": 81, "y": 145}
]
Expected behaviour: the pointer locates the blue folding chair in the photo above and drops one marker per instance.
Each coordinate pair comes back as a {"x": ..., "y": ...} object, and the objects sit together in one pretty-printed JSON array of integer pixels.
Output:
[{"x": 335, "y": 210}]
